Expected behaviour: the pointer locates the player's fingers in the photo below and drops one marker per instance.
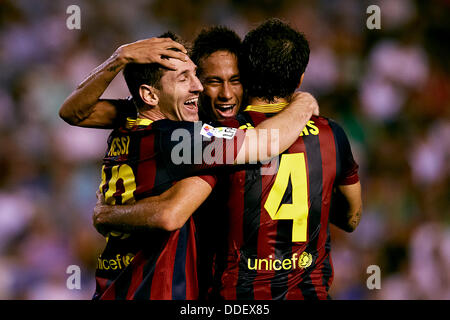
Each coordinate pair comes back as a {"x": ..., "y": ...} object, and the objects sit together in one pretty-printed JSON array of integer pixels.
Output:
[
  {"x": 167, "y": 64},
  {"x": 98, "y": 226},
  {"x": 173, "y": 44},
  {"x": 98, "y": 194},
  {"x": 174, "y": 54},
  {"x": 95, "y": 215},
  {"x": 100, "y": 198}
]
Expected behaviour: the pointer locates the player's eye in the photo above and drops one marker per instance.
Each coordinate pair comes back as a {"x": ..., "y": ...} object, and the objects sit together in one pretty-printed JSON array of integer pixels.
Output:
[{"x": 214, "y": 82}]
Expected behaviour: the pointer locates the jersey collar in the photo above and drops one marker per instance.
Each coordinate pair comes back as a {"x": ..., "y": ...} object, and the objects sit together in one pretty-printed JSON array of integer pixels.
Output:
[
  {"x": 137, "y": 122},
  {"x": 267, "y": 108}
]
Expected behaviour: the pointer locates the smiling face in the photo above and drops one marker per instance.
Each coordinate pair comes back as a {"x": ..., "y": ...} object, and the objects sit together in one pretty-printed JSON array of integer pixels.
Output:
[
  {"x": 179, "y": 92},
  {"x": 222, "y": 86}
]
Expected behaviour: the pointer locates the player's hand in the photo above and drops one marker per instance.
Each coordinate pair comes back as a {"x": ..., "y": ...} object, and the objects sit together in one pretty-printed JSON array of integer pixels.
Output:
[
  {"x": 152, "y": 50},
  {"x": 99, "y": 213},
  {"x": 306, "y": 99}
]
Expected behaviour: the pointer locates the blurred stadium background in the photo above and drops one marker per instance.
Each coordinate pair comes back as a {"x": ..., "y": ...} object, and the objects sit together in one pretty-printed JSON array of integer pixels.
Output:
[{"x": 389, "y": 89}]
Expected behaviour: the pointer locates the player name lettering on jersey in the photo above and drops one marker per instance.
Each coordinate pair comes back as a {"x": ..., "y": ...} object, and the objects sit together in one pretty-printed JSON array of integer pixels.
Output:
[
  {"x": 119, "y": 146},
  {"x": 310, "y": 129}
]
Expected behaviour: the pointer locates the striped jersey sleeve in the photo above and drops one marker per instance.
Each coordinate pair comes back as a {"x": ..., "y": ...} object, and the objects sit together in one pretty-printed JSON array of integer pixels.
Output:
[{"x": 347, "y": 167}]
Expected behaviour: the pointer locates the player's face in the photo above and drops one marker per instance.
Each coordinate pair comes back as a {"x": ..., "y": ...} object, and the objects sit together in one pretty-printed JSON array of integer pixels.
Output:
[
  {"x": 180, "y": 89},
  {"x": 222, "y": 86}
]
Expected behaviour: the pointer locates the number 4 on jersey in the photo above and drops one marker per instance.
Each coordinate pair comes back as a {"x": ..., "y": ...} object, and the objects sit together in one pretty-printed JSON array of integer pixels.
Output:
[{"x": 293, "y": 167}]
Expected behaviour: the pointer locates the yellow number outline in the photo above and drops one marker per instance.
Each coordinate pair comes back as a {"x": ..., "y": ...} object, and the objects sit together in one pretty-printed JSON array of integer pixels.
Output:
[
  {"x": 124, "y": 172},
  {"x": 293, "y": 167}
]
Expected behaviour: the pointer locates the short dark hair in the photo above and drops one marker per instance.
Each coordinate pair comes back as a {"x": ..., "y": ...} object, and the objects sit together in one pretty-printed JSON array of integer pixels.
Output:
[
  {"x": 213, "y": 39},
  {"x": 273, "y": 58},
  {"x": 136, "y": 74}
]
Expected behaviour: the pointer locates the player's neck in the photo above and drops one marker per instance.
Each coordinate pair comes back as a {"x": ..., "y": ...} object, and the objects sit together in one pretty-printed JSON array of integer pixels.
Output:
[
  {"x": 152, "y": 113},
  {"x": 254, "y": 101}
]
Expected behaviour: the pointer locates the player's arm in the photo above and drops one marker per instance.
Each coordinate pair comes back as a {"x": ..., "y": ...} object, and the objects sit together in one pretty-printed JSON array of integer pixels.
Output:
[
  {"x": 229, "y": 146},
  {"x": 346, "y": 204},
  {"x": 276, "y": 134},
  {"x": 168, "y": 211},
  {"x": 84, "y": 107},
  {"x": 346, "y": 207}
]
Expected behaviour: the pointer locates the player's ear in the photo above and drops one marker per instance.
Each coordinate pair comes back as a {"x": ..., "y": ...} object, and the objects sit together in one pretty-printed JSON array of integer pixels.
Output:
[
  {"x": 149, "y": 94},
  {"x": 301, "y": 80}
]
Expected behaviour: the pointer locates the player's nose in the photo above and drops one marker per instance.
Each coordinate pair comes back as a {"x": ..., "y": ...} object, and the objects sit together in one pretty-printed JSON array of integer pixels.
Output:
[
  {"x": 196, "y": 85},
  {"x": 226, "y": 92}
]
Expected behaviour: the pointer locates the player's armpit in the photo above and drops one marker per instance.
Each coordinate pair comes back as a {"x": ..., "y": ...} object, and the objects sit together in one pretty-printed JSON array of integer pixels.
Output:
[
  {"x": 346, "y": 207},
  {"x": 168, "y": 211}
]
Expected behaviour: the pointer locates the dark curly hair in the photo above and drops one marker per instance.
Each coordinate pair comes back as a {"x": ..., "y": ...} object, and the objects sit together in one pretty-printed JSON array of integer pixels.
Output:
[
  {"x": 273, "y": 58},
  {"x": 136, "y": 74},
  {"x": 214, "y": 39}
]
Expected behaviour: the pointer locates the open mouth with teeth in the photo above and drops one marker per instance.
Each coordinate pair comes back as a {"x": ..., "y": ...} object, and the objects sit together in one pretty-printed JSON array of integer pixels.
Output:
[
  {"x": 192, "y": 104},
  {"x": 225, "y": 110}
]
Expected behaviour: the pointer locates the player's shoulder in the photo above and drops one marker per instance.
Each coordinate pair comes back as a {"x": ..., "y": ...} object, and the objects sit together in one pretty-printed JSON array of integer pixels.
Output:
[
  {"x": 140, "y": 124},
  {"x": 336, "y": 128},
  {"x": 256, "y": 116},
  {"x": 248, "y": 119},
  {"x": 325, "y": 121},
  {"x": 167, "y": 126},
  {"x": 243, "y": 120},
  {"x": 133, "y": 126},
  {"x": 321, "y": 120},
  {"x": 319, "y": 124}
]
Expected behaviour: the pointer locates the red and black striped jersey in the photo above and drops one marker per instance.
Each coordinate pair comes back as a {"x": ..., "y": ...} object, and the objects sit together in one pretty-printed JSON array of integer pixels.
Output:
[
  {"x": 278, "y": 244},
  {"x": 151, "y": 264}
]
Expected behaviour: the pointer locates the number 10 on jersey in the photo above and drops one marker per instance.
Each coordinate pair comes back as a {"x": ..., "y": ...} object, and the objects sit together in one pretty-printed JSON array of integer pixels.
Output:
[{"x": 123, "y": 174}]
